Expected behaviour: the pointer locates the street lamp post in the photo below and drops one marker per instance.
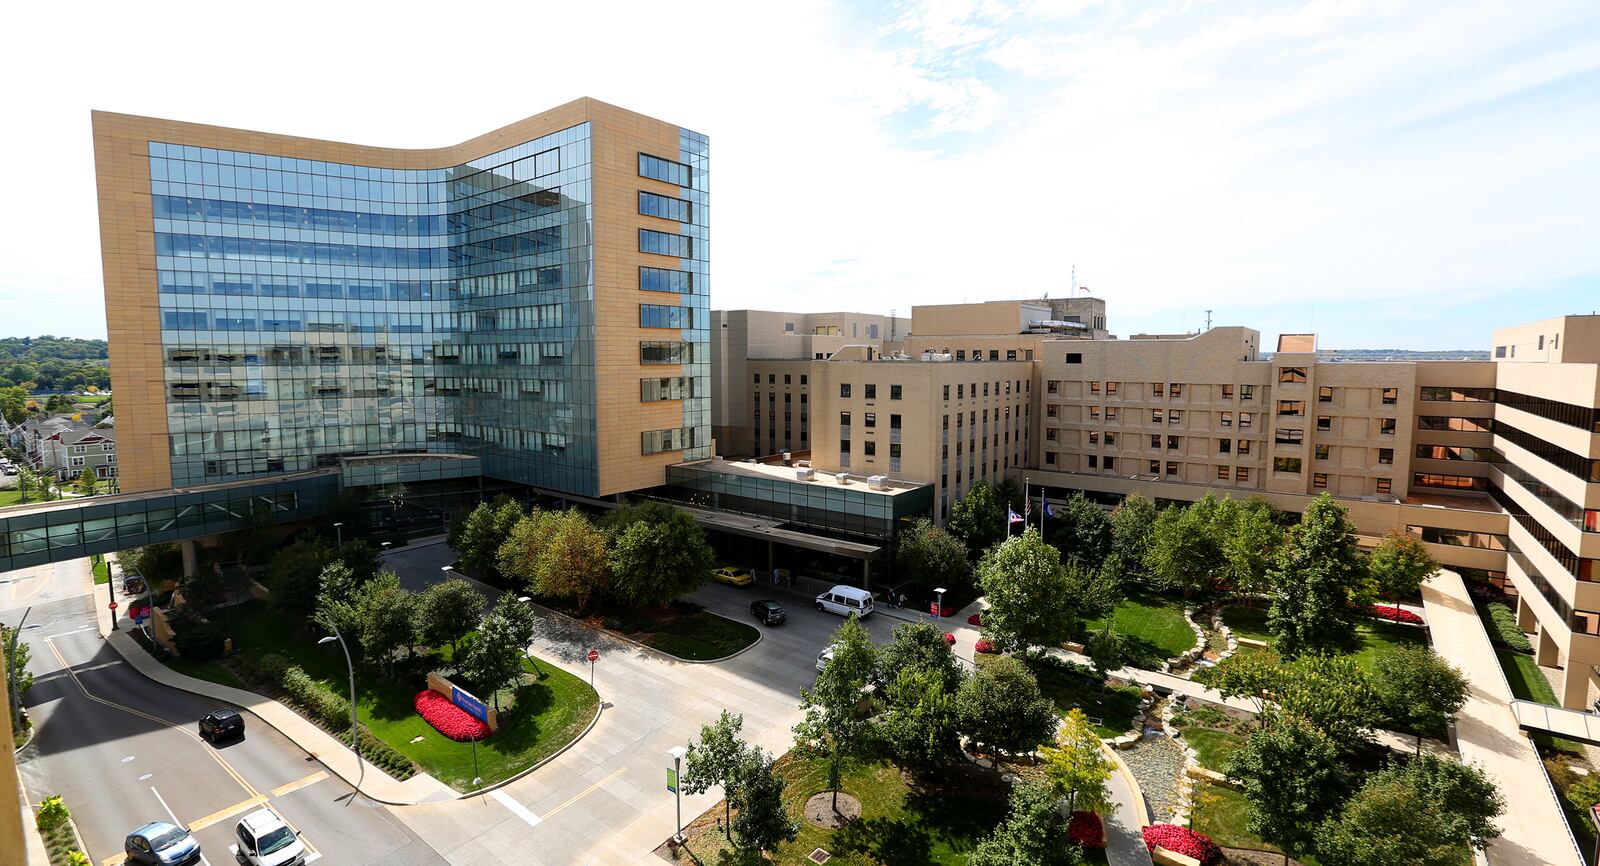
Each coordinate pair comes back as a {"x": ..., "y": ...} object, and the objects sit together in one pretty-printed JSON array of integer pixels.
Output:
[
  {"x": 940, "y": 602},
  {"x": 677, "y": 754},
  {"x": 111, "y": 596},
  {"x": 338, "y": 534},
  {"x": 355, "y": 734},
  {"x": 477, "y": 780},
  {"x": 385, "y": 545}
]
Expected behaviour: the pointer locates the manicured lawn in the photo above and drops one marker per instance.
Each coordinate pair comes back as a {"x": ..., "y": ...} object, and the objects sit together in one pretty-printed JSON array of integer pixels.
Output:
[
  {"x": 1247, "y": 621},
  {"x": 899, "y": 825},
  {"x": 1528, "y": 683},
  {"x": 543, "y": 716},
  {"x": 101, "y": 568},
  {"x": 701, "y": 636},
  {"x": 1154, "y": 626},
  {"x": 13, "y": 496},
  {"x": 1223, "y": 814},
  {"x": 1115, "y": 707},
  {"x": 1214, "y": 746}
]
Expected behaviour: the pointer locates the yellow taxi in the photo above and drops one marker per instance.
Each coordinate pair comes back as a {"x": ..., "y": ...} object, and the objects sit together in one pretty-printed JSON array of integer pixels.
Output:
[{"x": 732, "y": 576}]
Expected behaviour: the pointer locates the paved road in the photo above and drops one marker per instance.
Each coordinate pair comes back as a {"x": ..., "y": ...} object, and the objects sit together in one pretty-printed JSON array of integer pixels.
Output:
[
  {"x": 605, "y": 800},
  {"x": 122, "y": 751}
]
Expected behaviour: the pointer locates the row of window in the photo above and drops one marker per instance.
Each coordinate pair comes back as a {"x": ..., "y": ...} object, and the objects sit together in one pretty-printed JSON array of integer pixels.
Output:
[
  {"x": 772, "y": 379},
  {"x": 870, "y": 420},
  {"x": 1584, "y": 468},
  {"x": 869, "y": 448},
  {"x": 664, "y": 244},
  {"x": 1439, "y": 394},
  {"x": 665, "y": 169},
  {"x": 869, "y": 392},
  {"x": 671, "y": 439},
  {"x": 1587, "y": 519},
  {"x": 1577, "y": 566},
  {"x": 661, "y": 206},
  {"x": 666, "y": 352},
  {"x": 658, "y": 316},
  {"x": 1582, "y": 417},
  {"x": 664, "y": 280},
  {"x": 666, "y": 388}
]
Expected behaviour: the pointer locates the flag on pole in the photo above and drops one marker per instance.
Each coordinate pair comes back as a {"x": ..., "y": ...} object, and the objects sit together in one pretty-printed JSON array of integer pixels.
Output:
[
  {"x": 1047, "y": 511},
  {"x": 1012, "y": 516}
]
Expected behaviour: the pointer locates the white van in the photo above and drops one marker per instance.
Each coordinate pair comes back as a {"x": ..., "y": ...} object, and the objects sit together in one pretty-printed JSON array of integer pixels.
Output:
[{"x": 845, "y": 600}]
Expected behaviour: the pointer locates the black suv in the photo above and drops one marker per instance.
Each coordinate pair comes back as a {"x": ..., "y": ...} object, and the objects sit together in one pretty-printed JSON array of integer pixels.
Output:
[
  {"x": 221, "y": 724},
  {"x": 768, "y": 611}
]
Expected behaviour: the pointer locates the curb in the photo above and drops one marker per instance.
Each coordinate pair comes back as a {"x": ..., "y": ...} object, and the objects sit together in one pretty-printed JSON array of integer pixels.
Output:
[
  {"x": 760, "y": 636},
  {"x": 599, "y": 710}
]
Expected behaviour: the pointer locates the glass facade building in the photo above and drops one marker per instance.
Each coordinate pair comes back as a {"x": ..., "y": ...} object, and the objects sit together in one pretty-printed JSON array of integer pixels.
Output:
[{"x": 311, "y": 308}]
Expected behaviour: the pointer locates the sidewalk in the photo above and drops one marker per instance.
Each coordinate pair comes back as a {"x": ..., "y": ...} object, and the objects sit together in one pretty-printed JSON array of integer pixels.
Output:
[
  {"x": 1534, "y": 831},
  {"x": 332, "y": 754}
]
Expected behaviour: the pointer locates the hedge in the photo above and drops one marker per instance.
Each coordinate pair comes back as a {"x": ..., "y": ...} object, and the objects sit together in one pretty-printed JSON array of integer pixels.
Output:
[{"x": 1504, "y": 630}]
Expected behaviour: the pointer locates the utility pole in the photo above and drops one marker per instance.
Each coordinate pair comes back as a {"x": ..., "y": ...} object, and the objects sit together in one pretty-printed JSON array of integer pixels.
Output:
[{"x": 1208, "y": 320}]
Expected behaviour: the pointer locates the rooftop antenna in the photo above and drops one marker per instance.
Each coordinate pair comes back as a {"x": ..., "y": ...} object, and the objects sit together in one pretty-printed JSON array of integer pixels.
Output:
[
  {"x": 1208, "y": 320},
  {"x": 892, "y": 336},
  {"x": 1074, "y": 279}
]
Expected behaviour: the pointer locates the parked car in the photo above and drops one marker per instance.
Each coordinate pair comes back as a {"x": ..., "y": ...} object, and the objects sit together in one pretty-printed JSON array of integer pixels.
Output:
[
  {"x": 845, "y": 600},
  {"x": 732, "y": 576},
  {"x": 769, "y": 611},
  {"x": 221, "y": 724},
  {"x": 162, "y": 844},
  {"x": 823, "y": 658},
  {"x": 265, "y": 840},
  {"x": 9, "y": 470}
]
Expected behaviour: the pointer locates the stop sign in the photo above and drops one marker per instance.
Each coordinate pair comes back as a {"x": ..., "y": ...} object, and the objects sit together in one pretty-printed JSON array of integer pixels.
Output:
[{"x": 594, "y": 656}]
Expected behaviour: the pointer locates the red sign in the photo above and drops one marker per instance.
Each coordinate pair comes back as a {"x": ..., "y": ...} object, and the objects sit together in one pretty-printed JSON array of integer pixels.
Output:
[
  {"x": 933, "y": 608},
  {"x": 112, "y": 605},
  {"x": 594, "y": 656}
]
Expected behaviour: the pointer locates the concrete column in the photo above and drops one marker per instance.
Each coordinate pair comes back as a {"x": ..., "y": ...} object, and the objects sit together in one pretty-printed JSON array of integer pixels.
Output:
[
  {"x": 189, "y": 557},
  {"x": 1546, "y": 650},
  {"x": 1575, "y": 688},
  {"x": 866, "y": 574},
  {"x": 1525, "y": 617},
  {"x": 771, "y": 562}
]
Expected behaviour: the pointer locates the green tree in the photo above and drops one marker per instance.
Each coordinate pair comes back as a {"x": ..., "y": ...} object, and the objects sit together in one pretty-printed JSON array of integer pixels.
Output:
[
  {"x": 1418, "y": 689},
  {"x": 336, "y": 598},
  {"x": 447, "y": 611},
  {"x": 931, "y": 556},
  {"x": 718, "y": 760},
  {"x": 1082, "y": 531},
  {"x": 157, "y": 563},
  {"x": 1009, "y": 494},
  {"x": 17, "y": 661},
  {"x": 518, "y": 555},
  {"x": 659, "y": 555},
  {"x": 14, "y": 404},
  {"x": 1033, "y": 832},
  {"x": 1314, "y": 578},
  {"x": 1331, "y": 693},
  {"x": 494, "y": 660},
  {"x": 88, "y": 482},
  {"x": 387, "y": 618},
  {"x": 1029, "y": 593},
  {"x": 520, "y": 623},
  {"x": 573, "y": 563},
  {"x": 1000, "y": 705},
  {"x": 979, "y": 518},
  {"x": 361, "y": 558},
  {"x": 295, "y": 575},
  {"x": 1107, "y": 650},
  {"x": 1250, "y": 542},
  {"x": 835, "y": 726},
  {"x": 1418, "y": 814},
  {"x": 1248, "y": 675},
  {"x": 920, "y": 646},
  {"x": 762, "y": 822},
  {"x": 1131, "y": 523},
  {"x": 919, "y": 723},
  {"x": 1185, "y": 548},
  {"x": 477, "y": 545},
  {"x": 1399, "y": 564},
  {"x": 1078, "y": 767},
  {"x": 1293, "y": 777}
]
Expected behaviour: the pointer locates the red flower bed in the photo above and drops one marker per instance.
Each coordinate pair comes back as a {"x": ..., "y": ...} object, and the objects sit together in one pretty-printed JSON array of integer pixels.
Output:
[
  {"x": 449, "y": 719},
  {"x": 1395, "y": 613},
  {"x": 1086, "y": 830},
  {"x": 974, "y": 619},
  {"x": 985, "y": 646},
  {"x": 949, "y": 639},
  {"x": 1182, "y": 840}
]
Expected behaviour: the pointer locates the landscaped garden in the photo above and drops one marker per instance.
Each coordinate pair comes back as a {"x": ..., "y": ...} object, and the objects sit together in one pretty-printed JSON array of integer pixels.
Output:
[
  {"x": 1153, "y": 627},
  {"x": 682, "y": 629},
  {"x": 542, "y": 715},
  {"x": 1378, "y": 637},
  {"x": 1110, "y": 708}
]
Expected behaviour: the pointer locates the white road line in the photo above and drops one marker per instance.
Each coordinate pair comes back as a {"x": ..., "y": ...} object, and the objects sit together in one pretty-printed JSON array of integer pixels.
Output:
[
  {"x": 516, "y": 808},
  {"x": 98, "y": 666},
  {"x": 65, "y": 633},
  {"x": 174, "y": 818}
]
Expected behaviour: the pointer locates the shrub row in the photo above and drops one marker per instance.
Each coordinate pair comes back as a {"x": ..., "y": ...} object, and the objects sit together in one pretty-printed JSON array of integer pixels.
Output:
[
  {"x": 1182, "y": 840},
  {"x": 1503, "y": 629},
  {"x": 330, "y": 710}
]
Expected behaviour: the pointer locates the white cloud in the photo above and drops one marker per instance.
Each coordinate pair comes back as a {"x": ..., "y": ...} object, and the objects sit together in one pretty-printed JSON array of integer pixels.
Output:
[{"x": 1184, "y": 155}]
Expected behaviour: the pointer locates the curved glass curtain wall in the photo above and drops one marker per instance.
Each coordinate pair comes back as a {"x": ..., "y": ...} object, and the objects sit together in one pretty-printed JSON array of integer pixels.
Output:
[{"x": 311, "y": 310}]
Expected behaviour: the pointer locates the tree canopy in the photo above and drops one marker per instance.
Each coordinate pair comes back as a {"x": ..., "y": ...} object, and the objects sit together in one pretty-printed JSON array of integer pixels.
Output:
[
  {"x": 1082, "y": 531},
  {"x": 931, "y": 556},
  {"x": 1315, "y": 578},
  {"x": 1029, "y": 593},
  {"x": 1419, "y": 689},
  {"x": 1034, "y": 832},
  {"x": 1077, "y": 765},
  {"x": 835, "y": 724},
  {"x": 658, "y": 553},
  {"x": 1293, "y": 777},
  {"x": 1416, "y": 814},
  {"x": 1399, "y": 564},
  {"x": 1001, "y": 705},
  {"x": 979, "y": 518},
  {"x": 478, "y": 541},
  {"x": 447, "y": 611}
]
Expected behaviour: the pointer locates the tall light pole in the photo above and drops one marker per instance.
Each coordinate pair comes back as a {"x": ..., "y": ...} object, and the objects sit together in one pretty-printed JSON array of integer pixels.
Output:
[
  {"x": 355, "y": 733},
  {"x": 338, "y": 533},
  {"x": 940, "y": 592},
  {"x": 111, "y": 596},
  {"x": 677, "y": 753}
]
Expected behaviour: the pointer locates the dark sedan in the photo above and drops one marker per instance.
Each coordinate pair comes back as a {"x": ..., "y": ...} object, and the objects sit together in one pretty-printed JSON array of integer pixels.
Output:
[
  {"x": 221, "y": 724},
  {"x": 768, "y": 611}
]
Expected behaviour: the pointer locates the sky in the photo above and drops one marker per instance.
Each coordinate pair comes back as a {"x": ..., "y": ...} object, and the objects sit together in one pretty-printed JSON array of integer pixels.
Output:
[{"x": 1387, "y": 174}]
